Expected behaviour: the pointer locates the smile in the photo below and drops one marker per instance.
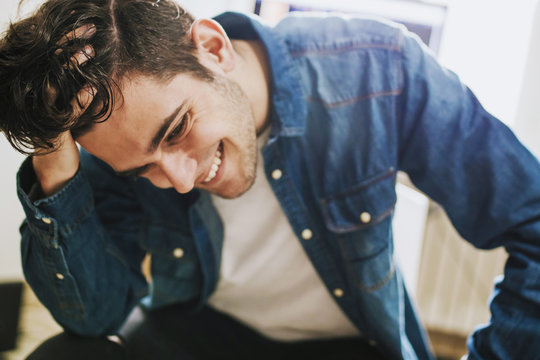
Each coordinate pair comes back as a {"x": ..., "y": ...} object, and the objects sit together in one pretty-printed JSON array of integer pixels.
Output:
[{"x": 215, "y": 165}]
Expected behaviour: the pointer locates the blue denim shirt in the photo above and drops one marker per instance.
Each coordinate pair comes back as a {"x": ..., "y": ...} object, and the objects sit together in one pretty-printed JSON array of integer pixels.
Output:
[{"x": 354, "y": 101}]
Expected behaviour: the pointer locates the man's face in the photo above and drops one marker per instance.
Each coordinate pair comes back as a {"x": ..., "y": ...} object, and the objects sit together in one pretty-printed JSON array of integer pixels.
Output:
[{"x": 185, "y": 133}]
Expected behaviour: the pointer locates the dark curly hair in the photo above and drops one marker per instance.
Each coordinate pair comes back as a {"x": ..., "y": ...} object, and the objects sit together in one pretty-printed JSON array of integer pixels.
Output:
[{"x": 149, "y": 37}]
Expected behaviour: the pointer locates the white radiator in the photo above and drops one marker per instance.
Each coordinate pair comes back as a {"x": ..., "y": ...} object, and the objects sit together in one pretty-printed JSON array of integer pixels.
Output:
[{"x": 455, "y": 279}]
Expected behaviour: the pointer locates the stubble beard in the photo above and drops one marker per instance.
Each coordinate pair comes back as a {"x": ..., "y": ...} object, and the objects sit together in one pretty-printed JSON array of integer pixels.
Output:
[{"x": 240, "y": 107}]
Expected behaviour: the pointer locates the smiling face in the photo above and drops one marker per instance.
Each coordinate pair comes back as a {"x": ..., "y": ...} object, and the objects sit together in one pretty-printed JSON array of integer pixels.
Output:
[
  {"x": 183, "y": 134},
  {"x": 187, "y": 132}
]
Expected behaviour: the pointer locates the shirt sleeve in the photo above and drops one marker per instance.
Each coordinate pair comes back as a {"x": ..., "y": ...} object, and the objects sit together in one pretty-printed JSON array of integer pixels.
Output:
[
  {"x": 69, "y": 253},
  {"x": 489, "y": 185}
]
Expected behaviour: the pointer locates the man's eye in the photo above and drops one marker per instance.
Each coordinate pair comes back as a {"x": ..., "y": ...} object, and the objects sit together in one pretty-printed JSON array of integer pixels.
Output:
[{"x": 178, "y": 129}]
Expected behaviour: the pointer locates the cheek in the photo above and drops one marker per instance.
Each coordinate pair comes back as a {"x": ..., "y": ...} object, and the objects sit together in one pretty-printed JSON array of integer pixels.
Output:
[{"x": 204, "y": 134}]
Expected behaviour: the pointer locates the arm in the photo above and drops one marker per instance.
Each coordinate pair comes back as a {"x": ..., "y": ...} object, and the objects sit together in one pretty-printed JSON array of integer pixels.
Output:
[
  {"x": 489, "y": 185},
  {"x": 79, "y": 246},
  {"x": 79, "y": 242}
]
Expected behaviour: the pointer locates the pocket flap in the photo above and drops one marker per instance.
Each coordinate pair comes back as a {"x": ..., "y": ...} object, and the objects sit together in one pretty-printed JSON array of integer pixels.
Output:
[
  {"x": 167, "y": 241},
  {"x": 361, "y": 206}
]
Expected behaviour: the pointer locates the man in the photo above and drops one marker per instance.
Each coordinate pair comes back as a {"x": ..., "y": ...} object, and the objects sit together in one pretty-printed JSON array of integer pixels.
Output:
[{"x": 286, "y": 254}]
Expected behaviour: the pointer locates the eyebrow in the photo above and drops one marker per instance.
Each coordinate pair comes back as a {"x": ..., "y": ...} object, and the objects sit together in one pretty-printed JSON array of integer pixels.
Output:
[
  {"x": 160, "y": 134},
  {"x": 156, "y": 140}
]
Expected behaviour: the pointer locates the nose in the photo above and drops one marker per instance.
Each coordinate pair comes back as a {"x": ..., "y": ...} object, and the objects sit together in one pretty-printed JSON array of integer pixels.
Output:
[{"x": 180, "y": 170}]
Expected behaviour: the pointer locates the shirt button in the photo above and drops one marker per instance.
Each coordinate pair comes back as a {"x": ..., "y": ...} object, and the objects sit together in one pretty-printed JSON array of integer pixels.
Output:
[
  {"x": 338, "y": 293},
  {"x": 365, "y": 217},
  {"x": 277, "y": 174},
  {"x": 46, "y": 220},
  {"x": 59, "y": 276},
  {"x": 372, "y": 343},
  {"x": 307, "y": 234},
  {"x": 178, "y": 253}
]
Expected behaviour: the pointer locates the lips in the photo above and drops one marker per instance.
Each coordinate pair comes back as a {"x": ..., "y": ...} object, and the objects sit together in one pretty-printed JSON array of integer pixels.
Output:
[{"x": 216, "y": 162}]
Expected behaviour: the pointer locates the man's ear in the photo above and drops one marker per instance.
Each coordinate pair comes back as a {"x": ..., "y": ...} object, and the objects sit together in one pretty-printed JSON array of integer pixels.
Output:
[{"x": 213, "y": 45}]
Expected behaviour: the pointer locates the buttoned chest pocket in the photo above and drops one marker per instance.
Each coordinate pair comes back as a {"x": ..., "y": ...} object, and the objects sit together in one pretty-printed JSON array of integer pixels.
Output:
[
  {"x": 360, "y": 220},
  {"x": 173, "y": 252}
]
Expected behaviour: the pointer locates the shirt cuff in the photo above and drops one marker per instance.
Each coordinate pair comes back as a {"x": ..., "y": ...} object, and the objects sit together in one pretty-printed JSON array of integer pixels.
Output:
[{"x": 50, "y": 218}]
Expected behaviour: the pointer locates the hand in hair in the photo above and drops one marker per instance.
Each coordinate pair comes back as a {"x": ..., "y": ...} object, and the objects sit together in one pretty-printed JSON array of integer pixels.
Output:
[{"x": 54, "y": 169}]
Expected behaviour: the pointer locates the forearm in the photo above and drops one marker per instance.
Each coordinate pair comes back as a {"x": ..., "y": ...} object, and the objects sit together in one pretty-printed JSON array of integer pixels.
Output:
[
  {"x": 54, "y": 170},
  {"x": 487, "y": 182},
  {"x": 70, "y": 260}
]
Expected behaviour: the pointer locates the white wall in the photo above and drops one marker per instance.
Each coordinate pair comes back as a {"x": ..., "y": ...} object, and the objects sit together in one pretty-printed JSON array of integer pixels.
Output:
[
  {"x": 11, "y": 215},
  {"x": 408, "y": 227},
  {"x": 487, "y": 43},
  {"x": 528, "y": 117}
]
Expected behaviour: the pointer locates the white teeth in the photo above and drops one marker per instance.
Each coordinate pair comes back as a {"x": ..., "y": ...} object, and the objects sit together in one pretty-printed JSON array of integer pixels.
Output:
[{"x": 215, "y": 167}]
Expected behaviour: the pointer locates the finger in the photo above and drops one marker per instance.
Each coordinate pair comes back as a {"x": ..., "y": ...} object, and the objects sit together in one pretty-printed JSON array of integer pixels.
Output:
[
  {"x": 82, "y": 32},
  {"x": 83, "y": 100},
  {"x": 86, "y": 95},
  {"x": 81, "y": 56}
]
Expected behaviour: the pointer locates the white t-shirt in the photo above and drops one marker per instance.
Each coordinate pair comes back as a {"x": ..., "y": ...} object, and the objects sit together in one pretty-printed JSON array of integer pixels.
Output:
[{"x": 266, "y": 279}]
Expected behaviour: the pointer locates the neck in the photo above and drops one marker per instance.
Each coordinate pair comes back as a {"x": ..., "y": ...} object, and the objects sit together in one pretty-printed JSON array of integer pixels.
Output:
[{"x": 253, "y": 76}]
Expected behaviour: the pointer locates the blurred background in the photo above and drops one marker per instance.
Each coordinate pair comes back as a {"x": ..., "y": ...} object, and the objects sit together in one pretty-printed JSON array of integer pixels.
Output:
[{"x": 493, "y": 45}]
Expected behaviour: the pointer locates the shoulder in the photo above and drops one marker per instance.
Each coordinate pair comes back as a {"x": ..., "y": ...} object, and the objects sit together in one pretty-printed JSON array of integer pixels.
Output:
[
  {"x": 320, "y": 32},
  {"x": 344, "y": 59}
]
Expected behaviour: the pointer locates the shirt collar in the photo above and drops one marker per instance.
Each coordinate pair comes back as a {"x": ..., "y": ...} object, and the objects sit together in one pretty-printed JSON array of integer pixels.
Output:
[{"x": 287, "y": 101}]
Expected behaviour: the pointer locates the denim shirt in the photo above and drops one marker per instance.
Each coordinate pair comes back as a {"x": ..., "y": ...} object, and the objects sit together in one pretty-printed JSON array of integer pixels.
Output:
[{"x": 354, "y": 100}]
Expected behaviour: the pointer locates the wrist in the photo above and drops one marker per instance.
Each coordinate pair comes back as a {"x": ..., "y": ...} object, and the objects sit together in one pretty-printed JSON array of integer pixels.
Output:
[{"x": 52, "y": 175}]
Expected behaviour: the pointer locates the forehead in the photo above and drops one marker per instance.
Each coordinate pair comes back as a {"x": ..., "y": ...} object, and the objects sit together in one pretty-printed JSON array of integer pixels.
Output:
[
  {"x": 138, "y": 113},
  {"x": 149, "y": 97}
]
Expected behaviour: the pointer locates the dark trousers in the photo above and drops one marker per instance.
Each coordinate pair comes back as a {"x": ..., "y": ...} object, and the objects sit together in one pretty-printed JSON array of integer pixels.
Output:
[{"x": 170, "y": 334}]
